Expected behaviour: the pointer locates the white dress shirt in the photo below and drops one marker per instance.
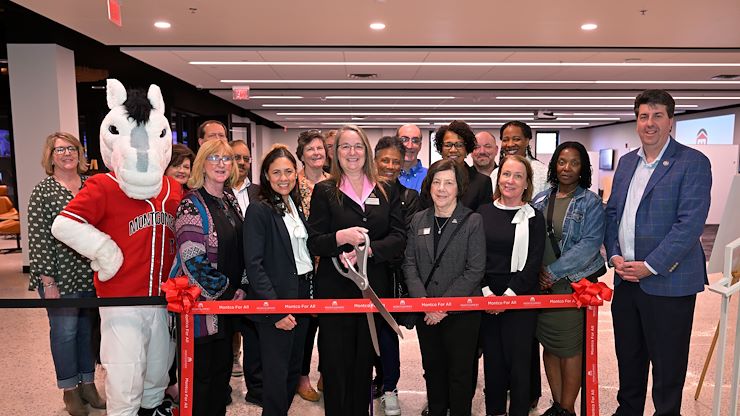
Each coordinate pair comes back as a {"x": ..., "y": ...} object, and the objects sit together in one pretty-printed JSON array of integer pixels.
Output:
[{"x": 242, "y": 196}]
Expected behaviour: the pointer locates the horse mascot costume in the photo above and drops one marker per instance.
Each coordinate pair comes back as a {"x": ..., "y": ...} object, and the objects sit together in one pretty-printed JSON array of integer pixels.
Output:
[{"x": 124, "y": 222}]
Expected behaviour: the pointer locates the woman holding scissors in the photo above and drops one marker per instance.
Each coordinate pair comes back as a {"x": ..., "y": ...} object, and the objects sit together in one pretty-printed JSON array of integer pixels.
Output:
[{"x": 353, "y": 203}]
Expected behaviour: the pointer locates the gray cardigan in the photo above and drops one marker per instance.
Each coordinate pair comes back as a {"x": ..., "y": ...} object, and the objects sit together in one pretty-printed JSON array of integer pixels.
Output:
[{"x": 460, "y": 271}]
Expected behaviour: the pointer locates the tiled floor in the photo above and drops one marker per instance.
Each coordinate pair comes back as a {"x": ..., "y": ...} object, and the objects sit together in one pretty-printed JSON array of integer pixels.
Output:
[{"x": 27, "y": 386}]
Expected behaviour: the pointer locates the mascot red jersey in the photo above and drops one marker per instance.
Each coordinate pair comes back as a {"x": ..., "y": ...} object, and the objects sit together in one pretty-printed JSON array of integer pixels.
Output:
[{"x": 124, "y": 222}]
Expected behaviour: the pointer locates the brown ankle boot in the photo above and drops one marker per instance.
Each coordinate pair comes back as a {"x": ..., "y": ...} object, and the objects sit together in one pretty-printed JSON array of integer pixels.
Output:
[
  {"x": 89, "y": 394},
  {"x": 73, "y": 402}
]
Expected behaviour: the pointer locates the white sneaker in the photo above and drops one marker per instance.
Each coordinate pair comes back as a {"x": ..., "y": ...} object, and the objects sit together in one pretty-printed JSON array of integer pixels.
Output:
[{"x": 390, "y": 403}]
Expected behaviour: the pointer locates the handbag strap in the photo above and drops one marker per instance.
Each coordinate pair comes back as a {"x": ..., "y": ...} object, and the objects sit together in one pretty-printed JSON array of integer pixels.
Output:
[
  {"x": 548, "y": 219},
  {"x": 441, "y": 253}
]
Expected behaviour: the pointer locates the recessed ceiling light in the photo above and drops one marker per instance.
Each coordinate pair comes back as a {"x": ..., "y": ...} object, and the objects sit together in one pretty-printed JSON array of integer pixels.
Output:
[
  {"x": 162, "y": 25},
  {"x": 377, "y": 26},
  {"x": 589, "y": 26}
]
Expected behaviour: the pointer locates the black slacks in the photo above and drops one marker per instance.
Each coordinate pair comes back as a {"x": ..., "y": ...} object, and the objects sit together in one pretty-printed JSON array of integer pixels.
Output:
[
  {"x": 448, "y": 353},
  {"x": 211, "y": 375},
  {"x": 651, "y": 329},
  {"x": 346, "y": 355},
  {"x": 282, "y": 353},
  {"x": 507, "y": 359},
  {"x": 251, "y": 358},
  {"x": 313, "y": 327}
]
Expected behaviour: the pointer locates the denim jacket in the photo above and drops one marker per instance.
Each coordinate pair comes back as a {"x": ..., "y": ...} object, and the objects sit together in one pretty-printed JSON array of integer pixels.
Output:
[{"x": 583, "y": 235}]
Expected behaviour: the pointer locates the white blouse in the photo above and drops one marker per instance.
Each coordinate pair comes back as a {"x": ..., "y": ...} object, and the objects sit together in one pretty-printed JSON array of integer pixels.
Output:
[{"x": 298, "y": 237}]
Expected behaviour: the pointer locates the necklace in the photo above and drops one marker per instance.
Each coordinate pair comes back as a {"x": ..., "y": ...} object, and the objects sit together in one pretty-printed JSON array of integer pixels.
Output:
[{"x": 440, "y": 227}]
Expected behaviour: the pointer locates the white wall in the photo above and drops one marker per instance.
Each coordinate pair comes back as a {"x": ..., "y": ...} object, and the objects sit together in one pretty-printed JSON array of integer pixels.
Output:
[{"x": 43, "y": 100}]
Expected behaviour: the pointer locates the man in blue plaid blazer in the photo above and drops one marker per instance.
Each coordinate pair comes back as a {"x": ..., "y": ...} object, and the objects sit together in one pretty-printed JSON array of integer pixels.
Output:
[{"x": 655, "y": 216}]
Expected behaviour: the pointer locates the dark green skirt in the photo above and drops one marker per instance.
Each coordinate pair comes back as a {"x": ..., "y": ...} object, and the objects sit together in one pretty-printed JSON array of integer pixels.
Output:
[{"x": 560, "y": 331}]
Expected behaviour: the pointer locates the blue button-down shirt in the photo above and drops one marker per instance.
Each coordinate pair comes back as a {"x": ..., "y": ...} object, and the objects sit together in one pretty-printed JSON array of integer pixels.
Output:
[
  {"x": 639, "y": 182},
  {"x": 413, "y": 178}
]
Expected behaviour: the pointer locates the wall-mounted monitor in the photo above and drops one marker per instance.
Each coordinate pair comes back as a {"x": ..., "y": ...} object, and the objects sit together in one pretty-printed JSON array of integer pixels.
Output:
[
  {"x": 606, "y": 159},
  {"x": 706, "y": 130}
]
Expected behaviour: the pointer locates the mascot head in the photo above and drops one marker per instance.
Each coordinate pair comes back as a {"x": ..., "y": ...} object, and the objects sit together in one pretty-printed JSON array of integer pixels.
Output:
[{"x": 135, "y": 139}]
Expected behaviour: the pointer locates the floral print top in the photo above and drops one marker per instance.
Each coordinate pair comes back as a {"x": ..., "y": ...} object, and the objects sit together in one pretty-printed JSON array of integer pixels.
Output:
[{"x": 48, "y": 256}]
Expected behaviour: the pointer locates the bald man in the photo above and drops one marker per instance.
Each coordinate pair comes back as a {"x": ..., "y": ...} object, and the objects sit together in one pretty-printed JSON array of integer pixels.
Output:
[
  {"x": 412, "y": 171},
  {"x": 484, "y": 155}
]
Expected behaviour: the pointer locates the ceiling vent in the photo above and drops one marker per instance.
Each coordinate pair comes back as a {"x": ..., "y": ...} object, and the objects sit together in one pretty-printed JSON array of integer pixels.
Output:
[
  {"x": 544, "y": 115},
  {"x": 726, "y": 77},
  {"x": 362, "y": 76}
]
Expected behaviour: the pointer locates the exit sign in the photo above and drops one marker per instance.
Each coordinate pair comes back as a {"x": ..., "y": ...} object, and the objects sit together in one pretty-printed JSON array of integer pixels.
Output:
[
  {"x": 240, "y": 93},
  {"x": 114, "y": 12}
]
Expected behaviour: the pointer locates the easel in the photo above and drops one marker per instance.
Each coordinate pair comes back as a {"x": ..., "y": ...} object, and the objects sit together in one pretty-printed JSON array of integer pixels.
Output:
[
  {"x": 735, "y": 278},
  {"x": 726, "y": 290}
]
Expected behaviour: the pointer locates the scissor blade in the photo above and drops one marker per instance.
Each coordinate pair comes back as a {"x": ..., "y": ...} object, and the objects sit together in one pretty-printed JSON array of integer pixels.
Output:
[
  {"x": 369, "y": 293},
  {"x": 373, "y": 332}
]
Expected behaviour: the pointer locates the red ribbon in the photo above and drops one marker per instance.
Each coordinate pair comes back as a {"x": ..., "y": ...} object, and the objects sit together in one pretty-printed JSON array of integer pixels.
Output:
[
  {"x": 590, "y": 294},
  {"x": 180, "y": 294}
]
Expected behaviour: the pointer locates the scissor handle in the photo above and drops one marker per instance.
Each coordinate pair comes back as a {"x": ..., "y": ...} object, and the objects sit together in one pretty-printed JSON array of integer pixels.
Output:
[
  {"x": 351, "y": 274},
  {"x": 357, "y": 275},
  {"x": 362, "y": 251}
]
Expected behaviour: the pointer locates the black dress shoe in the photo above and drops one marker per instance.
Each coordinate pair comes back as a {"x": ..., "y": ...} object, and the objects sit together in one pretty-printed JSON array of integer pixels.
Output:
[
  {"x": 253, "y": 399},
  {"x": 554, "y": 410}
]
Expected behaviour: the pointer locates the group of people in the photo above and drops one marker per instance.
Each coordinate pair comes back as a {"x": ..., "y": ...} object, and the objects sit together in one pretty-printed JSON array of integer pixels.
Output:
[{"x": 508, "y": 227}]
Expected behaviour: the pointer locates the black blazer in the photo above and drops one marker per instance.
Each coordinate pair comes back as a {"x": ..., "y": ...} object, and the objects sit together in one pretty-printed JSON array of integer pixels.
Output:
[
  {"x": 479, "y": 192},
  {"x": 253, "y": 192},
  {"x": 386, "y": 227},
  {"x": 268, "y": 257}
]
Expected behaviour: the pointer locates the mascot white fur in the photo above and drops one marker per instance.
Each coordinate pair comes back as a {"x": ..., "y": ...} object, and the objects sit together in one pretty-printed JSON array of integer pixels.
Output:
[{"x": 124, "y": 222}]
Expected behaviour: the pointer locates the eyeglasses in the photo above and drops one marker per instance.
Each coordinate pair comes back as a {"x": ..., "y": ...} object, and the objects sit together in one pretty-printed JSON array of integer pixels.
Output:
[
  {"x": 456, "y": 145},
  {"x": 63, "y": 149},
  {"x": 414, "y": 140},
  {"x": 218, "y": 158},
  {"x": 239, "y": 158},
  {"x": 359, "y": 147}
]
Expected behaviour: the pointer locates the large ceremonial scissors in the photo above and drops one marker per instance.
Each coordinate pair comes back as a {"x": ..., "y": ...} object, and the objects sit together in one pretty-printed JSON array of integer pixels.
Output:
[{"x": 359, "y": 277}]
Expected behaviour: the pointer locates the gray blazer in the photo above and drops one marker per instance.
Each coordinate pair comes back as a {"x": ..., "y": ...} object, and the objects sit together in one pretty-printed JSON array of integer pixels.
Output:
[{"x": 460, "y": 271}]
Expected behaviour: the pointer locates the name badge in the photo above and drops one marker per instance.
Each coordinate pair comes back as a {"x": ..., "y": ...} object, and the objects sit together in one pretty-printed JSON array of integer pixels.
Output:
[
  {"x": 372, "y": 201},
  {"x": 425, "y": 231}
]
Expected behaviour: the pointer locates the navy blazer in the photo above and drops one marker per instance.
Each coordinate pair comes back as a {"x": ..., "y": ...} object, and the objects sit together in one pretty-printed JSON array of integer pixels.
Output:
[
  {"x": 268, "y": 257},
  {"x": 670, "y": 219}
]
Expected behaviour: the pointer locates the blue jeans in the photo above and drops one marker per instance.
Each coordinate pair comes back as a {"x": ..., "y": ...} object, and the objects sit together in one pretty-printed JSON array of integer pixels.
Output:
[{"x": 71, "y": 343}]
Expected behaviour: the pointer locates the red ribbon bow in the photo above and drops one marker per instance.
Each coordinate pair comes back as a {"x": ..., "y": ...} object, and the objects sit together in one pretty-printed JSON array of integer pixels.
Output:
[
  {"x": 180, "y": 294},
  {"x": 590, "y": 294}
]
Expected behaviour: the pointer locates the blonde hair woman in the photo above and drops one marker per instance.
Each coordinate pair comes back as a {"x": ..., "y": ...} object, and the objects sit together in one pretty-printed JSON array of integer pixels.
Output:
[{"x": 208, "y": 230}]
